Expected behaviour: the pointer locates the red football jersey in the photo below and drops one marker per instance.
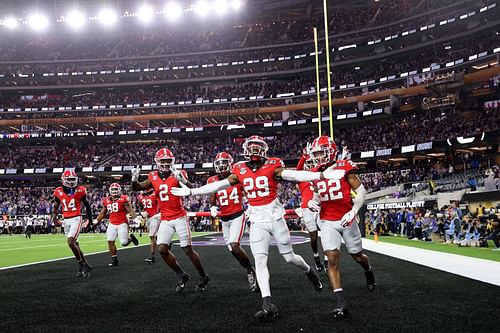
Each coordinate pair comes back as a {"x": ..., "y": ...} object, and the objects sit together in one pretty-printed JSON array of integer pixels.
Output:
[
  {"x": 116, "y": 209},
  {"x": 306, "y": 193},
  {"x": 149, "y": 203},
  {"x": 229, "y": 200},
  {"x": 260, "y": 186},
  {"x": 71, "y": 203},
  {"x": 335, "y": 194},
  {"x": 170, "y": 206}
]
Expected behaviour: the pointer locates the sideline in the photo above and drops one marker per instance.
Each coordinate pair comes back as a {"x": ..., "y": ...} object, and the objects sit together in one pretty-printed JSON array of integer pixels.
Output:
[{"x": 473, "y": 268}]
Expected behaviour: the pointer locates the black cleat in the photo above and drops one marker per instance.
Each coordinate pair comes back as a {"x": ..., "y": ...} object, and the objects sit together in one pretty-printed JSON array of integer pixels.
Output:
[
  {"x": 114, "y": 262},
  {"x": 134, "y": 239},
  {"x": 340, "y": 310},
  {"x": 202, "y": 286},
  {"x": 370, "y": 280},
  {"x": 181, "y": 282},
  {"x": 315, "y": 279},
  {"x": 150, "y": 260},
  {"x": 319, "y": 265},
  {"x": 79, "y": 272},
  {"x": 252, "y": 281},
  {"x": 269, "y": 310},
  {"x": 87, "y": 270}
]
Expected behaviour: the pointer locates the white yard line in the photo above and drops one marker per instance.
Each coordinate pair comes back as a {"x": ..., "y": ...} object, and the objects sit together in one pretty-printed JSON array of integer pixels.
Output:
[
  {"x": 51, "y": 245},
  {"x": 473, "y": 268}
]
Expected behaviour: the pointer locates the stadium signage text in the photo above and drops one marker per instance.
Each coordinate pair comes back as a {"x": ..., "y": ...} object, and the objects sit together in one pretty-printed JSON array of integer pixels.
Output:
[{"x": 397, "y": 205}]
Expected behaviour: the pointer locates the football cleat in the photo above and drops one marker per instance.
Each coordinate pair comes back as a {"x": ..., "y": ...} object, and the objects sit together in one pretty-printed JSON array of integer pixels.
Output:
[
  {"x": 114, "y": 262},
  {"x": 134, "y": 239},
  {"x": 252, "y": 281},
  {"x": 202, "y": 286},
  {"x": 325, "y": 264},
  {"x": 370, "y": 280},
  {"x": 319, "y": 265},
  {"x": 340, "y": 312},
  {"x": 315, "y": 279},
  {"x": 268, "y": 311},
  {"x": 150, "y": 260},
  {"x": 79, "y": 272},
  {"x": 87, "y": 269},
  {"x": 181, "y": 282}
]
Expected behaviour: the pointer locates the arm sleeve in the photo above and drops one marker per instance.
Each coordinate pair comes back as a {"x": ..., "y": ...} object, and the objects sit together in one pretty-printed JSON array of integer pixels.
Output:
[
  {"x": 359, "y": 200},
  {"x": 300, "y": 176},
  {"x": 211, "y": 188}
]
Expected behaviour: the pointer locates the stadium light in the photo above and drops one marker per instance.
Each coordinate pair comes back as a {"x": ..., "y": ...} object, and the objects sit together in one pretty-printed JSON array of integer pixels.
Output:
[
  {"x": 38, "y": 21},
  {"x": 75, "y": 19},
  {"x": 107, "y": 17},
  {"x": 145, "y": 13},
  {"x": 173, "y": 11},
  {"x": 202, "y": 8},
  {"x": 236, "y": 4},
  {"x": 220, "y": 6},
  {"x": 10, "y": 23}
]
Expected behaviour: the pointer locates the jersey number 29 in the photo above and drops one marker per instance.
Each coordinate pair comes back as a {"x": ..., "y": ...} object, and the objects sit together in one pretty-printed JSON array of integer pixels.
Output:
[{"x": 258, "y": 187}]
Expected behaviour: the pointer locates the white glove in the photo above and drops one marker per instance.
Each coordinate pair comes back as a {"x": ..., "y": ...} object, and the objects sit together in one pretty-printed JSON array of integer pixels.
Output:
[
  {"x": 214, "y": 211},
  {"x": 347, "y": 219},
  {"x": 314, "y": 206},
  {"x": 178, "y": 175},
  {"x": 182, "y": 191},
  {"x": 298, "y": 211},
  {"x": 332, "y": 173},
  {"x": 95, "y": 221},
  {"x": 135, "y": 173},
  {"x": 144, "y": 214}
]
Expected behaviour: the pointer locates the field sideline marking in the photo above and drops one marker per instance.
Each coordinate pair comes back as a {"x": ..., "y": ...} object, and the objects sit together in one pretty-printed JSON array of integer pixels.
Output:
[
  {"x": 86, "y": 255},
  {"x": 483, "y": 270},
  {"x": 41, "y": 246}
]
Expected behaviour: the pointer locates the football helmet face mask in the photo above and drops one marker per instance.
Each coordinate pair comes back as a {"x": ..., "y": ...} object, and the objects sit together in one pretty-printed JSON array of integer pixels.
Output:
[
  {"x": 115, "y": 190},
  {"x": 223, "y": 162},
  {"x": 323, "y": 150},
  {"x": 309, "y": 163},
  {"x": 69, "y": 179},
  {"x": 255, "y": 148},
  {"x": 164, "y": 159}
]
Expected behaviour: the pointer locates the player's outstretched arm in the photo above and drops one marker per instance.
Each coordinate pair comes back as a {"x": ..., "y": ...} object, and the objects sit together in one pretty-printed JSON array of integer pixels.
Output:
[
  {"x": 297, "y": 175},
  {"x": 130, "y": 211},
  {"x": 184, "y": 191},
  {"x": 136, "y": 185}
]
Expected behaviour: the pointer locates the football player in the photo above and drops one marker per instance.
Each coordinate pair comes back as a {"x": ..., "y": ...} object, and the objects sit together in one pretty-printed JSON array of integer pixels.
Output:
[
  {"x": 338, "y": 215},
  {"x": 228, "y": 203},
  {"x": 149, "y": 206},
  {"x": 173, "y": 215},
  {"x": 70, "y": 198},
  {"x": 260, "y": 176},
  {"x": 309, "y": 217},
  {"x": 117, "y": 206}
]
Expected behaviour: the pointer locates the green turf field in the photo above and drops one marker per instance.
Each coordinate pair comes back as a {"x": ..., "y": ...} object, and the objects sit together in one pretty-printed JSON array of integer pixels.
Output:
[
  {"x": 18, "y": 250},
  {"x": 476, "y": 252}
]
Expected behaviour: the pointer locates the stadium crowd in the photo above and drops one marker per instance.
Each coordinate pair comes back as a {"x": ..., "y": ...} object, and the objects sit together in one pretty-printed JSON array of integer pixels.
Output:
[
  {"x": 405, "y": 130},
  {"x": 132, "y": 44}
]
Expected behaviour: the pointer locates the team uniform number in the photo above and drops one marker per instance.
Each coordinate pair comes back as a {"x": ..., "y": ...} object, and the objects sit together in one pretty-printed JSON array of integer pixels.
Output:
[
  {"x": 113, "y": 207},
  {"x": 329, "y": 191},
  {"x": 147, "y": 203},
  {"x": 256, "y": 188},
  {"x": 224, "y": 198},
  {"x": 69, "y": 206},
  {"x": 163, "y": 193}
]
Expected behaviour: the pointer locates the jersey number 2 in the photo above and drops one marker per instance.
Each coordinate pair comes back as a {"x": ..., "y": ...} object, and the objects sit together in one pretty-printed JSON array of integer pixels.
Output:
[{"x": 163, "y": 194}]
